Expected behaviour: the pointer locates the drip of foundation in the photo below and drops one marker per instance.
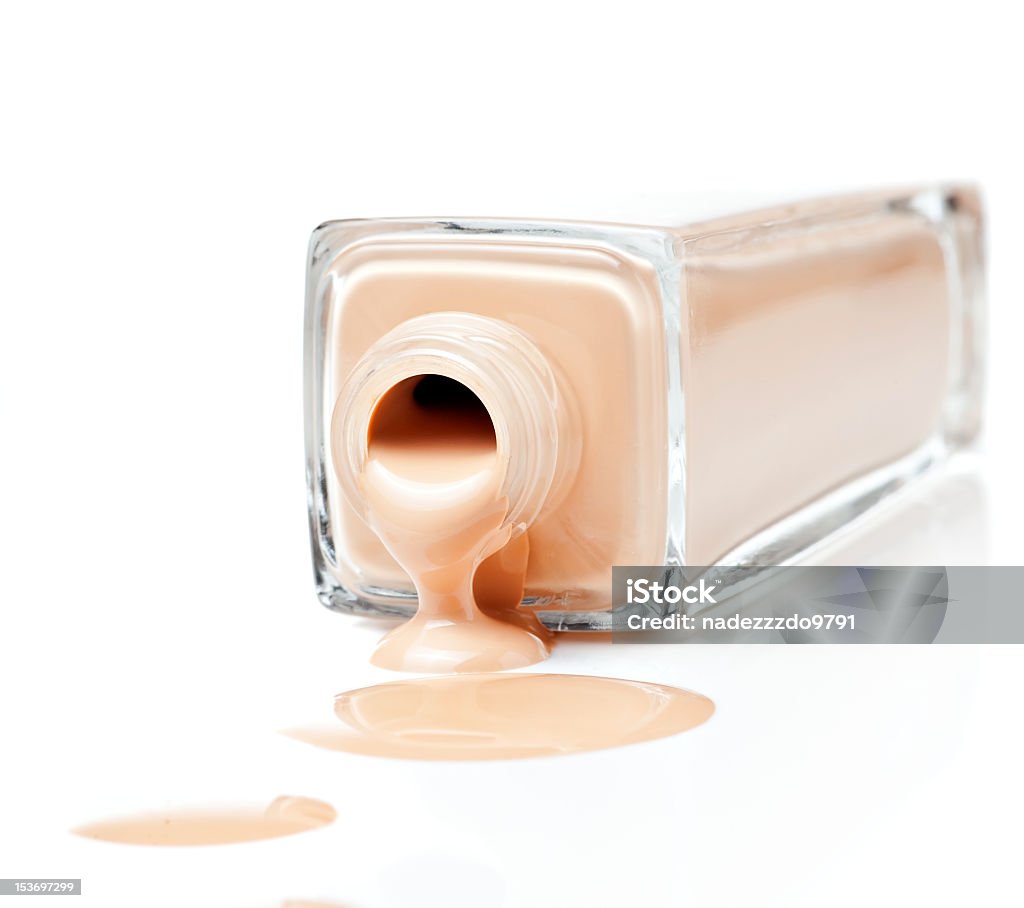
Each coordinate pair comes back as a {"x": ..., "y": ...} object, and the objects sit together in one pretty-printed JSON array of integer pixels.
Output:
[
  {"x": 284, "y": 816},
  {"x": 496, "y": 717},
  {"x": 499, "y": 584},
  {"x": 432, "y": 484}
]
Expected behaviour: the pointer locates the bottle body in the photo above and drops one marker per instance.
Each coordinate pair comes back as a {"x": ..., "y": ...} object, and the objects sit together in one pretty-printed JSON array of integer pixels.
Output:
[{"x": 738, "y": 388}]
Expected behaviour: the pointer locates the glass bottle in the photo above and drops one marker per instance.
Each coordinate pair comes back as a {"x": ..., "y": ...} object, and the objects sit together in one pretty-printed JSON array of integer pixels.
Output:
[{"x": 728, "y": 392}]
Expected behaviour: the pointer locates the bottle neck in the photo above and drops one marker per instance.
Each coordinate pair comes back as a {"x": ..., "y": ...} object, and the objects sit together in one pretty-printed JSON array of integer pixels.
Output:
[{"x": 534, "y": 425}]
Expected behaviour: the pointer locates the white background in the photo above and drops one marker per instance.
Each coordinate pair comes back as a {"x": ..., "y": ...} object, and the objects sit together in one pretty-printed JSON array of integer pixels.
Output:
[{"x": 161, "y": 167}]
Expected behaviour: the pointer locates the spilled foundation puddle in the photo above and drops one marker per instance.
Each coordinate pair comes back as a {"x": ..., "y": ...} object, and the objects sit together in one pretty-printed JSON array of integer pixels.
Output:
[
  {"x": 284, "y": 816},
  {"x": 496, "y": 717}
]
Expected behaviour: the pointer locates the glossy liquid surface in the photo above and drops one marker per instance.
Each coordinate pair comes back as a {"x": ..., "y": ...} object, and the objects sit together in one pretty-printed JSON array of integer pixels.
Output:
[
  {"x": 433, "y": 490},
  {"x": 284, "y": 816},
  {"x": 496, "y": 717}
]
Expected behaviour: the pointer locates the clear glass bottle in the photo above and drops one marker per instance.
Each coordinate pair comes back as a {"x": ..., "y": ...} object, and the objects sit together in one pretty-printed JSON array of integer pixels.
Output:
[{"x": 728, "y": 392}]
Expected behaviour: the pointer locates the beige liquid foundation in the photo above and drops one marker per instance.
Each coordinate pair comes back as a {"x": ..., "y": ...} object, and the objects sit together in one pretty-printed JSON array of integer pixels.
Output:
[
  {"x": 500, "y": 411},
  {"x": 497, "y": 412}
]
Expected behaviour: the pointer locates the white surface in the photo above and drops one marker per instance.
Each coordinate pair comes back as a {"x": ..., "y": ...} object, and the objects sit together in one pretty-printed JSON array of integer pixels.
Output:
[{"x": 162, "y": 169}]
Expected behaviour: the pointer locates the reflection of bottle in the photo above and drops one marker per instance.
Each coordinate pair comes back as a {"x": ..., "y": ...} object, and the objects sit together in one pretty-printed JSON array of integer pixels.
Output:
[{"x": 726, "y": 392}]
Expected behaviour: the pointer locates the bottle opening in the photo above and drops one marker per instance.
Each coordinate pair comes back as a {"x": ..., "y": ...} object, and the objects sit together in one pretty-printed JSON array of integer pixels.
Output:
[
  {"x": 449, "y": 394},
  {"x": 431, "y": 428},
  {"x": 439, "y": 392}
]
